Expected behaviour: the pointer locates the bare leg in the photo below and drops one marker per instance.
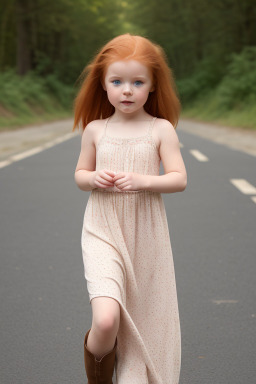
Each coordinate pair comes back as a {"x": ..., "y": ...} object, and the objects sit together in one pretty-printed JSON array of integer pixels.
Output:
[{"x": 105, "y": 324}]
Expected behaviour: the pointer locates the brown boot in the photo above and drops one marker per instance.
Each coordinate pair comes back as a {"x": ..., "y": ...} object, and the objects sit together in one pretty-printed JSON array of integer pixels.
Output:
[{"x": 99, "y": 371}]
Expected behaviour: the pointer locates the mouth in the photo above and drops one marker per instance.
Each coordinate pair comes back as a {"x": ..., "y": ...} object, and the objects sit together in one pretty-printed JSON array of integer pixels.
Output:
[{"x": 127, "y": 102}]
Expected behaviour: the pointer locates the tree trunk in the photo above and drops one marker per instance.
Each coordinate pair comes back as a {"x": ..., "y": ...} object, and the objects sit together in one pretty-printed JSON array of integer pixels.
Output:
[{"x": 23, "y": 53}]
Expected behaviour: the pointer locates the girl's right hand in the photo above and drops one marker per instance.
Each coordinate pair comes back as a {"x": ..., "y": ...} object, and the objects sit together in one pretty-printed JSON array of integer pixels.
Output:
[{"x": 102, "y": 179}]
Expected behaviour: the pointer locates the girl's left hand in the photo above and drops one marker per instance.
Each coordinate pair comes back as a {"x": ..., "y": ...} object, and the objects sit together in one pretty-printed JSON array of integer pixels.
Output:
[{"x": 128, "y": 181}]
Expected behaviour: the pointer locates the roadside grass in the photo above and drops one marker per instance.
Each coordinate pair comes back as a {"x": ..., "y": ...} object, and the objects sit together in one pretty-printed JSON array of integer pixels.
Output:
[
  {"x": 10, "y": 122},
  {"x": 227, "y": 99},
  {"x": 208, "y": 109},
  {"x": 32, "y": 99}
]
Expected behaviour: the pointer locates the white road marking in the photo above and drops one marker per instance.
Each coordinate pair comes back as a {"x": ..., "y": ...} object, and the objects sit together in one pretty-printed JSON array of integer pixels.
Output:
[
  {"x": 244, "y": 186},
  {"x": 48, "y": 145},
  {"x": 4, "y": 163},
  {"x": 253, "y": 199},
  {"x": 25, "y": 154},
  {"x": 198, "y": 155},
  {"x": 225, "y": 301},
  {"x": 63, "y": 138},
  {"x": 33, "y": 151}
]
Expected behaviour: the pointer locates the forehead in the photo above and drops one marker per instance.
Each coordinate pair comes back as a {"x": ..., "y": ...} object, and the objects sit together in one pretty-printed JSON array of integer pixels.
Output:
[{"x": 127, "y": 67}]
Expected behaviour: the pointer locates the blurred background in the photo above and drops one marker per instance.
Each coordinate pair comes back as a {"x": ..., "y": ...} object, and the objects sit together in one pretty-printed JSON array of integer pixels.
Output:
[
  {"x": 45, "y": 44},
  {"x": 45, "y": 310}
]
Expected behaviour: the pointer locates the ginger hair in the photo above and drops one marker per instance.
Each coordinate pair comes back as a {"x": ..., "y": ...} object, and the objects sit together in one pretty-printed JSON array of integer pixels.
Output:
[{"x": 92, "y": 103}]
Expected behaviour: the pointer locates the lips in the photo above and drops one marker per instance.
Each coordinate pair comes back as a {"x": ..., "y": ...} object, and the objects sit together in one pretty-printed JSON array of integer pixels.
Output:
[{"x": 127, "y": 102}]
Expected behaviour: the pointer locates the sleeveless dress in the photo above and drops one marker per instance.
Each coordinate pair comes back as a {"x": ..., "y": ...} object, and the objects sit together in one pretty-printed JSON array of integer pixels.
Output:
[{"x": 127, "y": 256}]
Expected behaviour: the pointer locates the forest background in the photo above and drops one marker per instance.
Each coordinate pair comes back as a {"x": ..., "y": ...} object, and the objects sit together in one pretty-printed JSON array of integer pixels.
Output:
[{"x": 210, "y": 46}]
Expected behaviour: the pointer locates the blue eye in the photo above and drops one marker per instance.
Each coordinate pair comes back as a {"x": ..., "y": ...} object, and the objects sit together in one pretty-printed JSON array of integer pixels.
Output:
[
  {"x": 114, "y": 82},
  {"x": 138, "y": 81}
]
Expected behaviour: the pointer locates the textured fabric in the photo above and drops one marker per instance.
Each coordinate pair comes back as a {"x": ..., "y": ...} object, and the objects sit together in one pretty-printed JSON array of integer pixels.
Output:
[{"x": 127, "y": 255}]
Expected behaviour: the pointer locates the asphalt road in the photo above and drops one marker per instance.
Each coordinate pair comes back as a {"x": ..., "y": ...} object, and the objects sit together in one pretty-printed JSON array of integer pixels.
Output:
[{"x": 45, "y": 309}]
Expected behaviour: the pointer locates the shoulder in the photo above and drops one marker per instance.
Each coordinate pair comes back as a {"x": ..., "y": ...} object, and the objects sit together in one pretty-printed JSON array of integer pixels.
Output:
[
  {"x": 165, "y": 131},
  {"x": 93, "y": 129},
  {"x": 94, "y": 125},
  {"x": 163, "y": 126}
]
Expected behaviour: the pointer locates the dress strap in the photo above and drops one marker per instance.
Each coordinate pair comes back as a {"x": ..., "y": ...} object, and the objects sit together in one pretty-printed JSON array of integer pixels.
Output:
[
  {"x": 151, "y": 126},
  {"x": 105, "y": 129}
]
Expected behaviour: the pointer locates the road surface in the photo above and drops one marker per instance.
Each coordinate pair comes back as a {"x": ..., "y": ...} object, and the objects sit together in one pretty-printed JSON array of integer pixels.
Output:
[{"x": 45, "y": 308}]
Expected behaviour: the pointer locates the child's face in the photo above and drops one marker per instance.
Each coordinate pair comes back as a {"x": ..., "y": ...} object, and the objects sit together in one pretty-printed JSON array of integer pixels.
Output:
[{"x": 127, "y": 81}]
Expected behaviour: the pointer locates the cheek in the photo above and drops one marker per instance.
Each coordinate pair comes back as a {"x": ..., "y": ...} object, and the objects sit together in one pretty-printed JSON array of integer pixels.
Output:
[
  {"x": 143, "y": 95},
  {"x": 112, "y": 92}
]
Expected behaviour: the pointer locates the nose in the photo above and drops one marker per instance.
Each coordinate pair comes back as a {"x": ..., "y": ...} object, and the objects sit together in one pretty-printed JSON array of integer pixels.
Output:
[{"x": 127, "y": 89}]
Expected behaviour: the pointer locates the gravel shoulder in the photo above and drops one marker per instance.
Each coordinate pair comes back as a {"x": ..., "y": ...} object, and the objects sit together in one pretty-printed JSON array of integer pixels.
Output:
[
  {"x": 13, "y": 142},
  {"x": 237, "y": 138}
]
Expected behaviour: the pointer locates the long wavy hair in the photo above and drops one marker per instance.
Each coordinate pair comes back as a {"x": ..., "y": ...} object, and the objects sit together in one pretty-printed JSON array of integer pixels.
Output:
[{"x": 91, "y": 102}]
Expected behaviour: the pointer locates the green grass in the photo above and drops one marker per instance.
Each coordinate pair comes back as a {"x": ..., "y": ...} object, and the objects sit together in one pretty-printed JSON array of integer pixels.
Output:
[
  {"x": 209, "y": 109},
  {"x": 32, "y": 99},
  {"x": 229, "y": 99},
  {"x": 11, "y": 123}
]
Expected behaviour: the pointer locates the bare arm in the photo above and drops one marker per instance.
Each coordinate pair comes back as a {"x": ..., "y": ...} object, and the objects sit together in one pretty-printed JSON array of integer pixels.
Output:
[
  {"x": 86, "y": 161},
  {"x": 175, "y": 177},
  {"x": 86, "y": 177}
]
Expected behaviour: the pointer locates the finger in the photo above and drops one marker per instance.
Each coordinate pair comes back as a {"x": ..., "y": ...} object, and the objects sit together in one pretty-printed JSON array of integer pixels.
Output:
[
  {"x": 99, "y": 185},
  {"x": 104, "y": 182},
  {"x": 119, "y": 180},
  {"x": 122, "y": 184},
  {"x": 106, "y": 177},
  {"x": 125, "y": 187},
  {"x": 112, "y": 173},
  {"x": 102, "y": 186},
  {"x": 118, "y": 176}
]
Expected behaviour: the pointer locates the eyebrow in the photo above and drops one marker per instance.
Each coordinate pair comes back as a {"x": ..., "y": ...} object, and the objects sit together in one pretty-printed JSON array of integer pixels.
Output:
[{"x": 135, "y": 77}]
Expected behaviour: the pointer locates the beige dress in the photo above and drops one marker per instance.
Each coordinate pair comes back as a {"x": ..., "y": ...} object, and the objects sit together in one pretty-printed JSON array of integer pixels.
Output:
[{"x": 127, "y": 255}]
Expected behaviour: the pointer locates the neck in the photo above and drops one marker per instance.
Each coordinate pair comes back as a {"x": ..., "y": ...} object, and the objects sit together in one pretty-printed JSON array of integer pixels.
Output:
[{"x": 119, "y": 117}]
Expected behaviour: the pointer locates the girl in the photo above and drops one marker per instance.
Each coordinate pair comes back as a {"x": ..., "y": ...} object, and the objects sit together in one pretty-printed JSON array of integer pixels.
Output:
[{"x": 128, "y": 109}]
